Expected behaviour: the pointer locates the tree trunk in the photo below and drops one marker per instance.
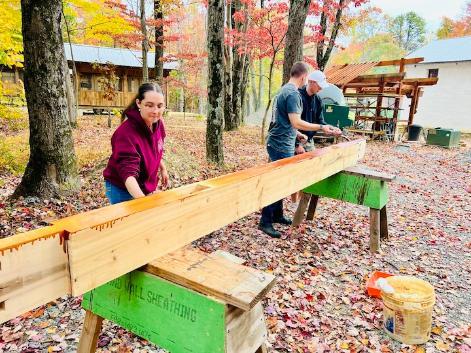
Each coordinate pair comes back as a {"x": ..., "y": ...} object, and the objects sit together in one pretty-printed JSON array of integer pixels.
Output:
[
  {"x": 159, "y": 42},
  {"x": 181, "y": 100},
  {"x": 51, "y": 167},
  {"x": 261, "y": 87},
  {"x": 200, "y": 104},
  {"x": 72, "y": 87},
  {"x": 215, "y": 120},
  {"x": 264, "y": 120},
  {"x": 237, "y": 71},
  {"x": 294, "y": 36},
  {"x": 243, "y": 89},
  {"x": 71, "y": 97},
  {"x": 323, "y": 56},
  {"x": 228, "y": 113},
  {"x": 145, "y": 42},
  {"x": 253, "y": 88},
  {"x": 237, "y": 68}
]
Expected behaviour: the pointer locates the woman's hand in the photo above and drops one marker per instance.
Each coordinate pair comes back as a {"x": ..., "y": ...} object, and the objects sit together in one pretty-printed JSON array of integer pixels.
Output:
[{"x": 164, "y": 176}]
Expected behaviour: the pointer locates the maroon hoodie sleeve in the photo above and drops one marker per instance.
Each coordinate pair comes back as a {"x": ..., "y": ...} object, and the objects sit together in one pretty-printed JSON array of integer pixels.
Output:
[{"x": 127, "y": 157}]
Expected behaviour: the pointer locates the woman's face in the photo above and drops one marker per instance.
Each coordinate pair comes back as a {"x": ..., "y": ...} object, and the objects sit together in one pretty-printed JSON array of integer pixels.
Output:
[{"x": 151, "y": 107}]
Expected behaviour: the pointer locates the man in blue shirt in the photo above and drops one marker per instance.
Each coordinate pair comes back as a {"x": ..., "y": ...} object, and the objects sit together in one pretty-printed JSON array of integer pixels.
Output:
[
  {"x": 282, "y": 137},
  {"x": 313, "y": 111}
]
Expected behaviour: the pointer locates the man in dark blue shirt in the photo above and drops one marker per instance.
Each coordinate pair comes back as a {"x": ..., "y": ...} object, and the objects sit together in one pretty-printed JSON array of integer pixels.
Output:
[
  {"x": 313, "y": 111},
  {"x": 281, "y": 139}
]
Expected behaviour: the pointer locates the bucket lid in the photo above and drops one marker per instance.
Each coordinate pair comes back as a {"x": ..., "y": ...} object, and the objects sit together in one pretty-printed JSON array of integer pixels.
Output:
[{"x": 410, "y": 289}]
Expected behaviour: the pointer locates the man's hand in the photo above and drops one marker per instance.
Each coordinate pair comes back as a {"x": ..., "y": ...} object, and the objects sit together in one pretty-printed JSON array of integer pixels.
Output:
[
  {"x": 301, "y": 137},
  {"x": 331, "y": 130},
  {"x": 299, "y": 150}
]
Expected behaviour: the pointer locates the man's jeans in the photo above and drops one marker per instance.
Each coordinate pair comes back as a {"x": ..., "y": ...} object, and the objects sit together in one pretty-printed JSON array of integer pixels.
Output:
[{"x": 275, "y": 210}]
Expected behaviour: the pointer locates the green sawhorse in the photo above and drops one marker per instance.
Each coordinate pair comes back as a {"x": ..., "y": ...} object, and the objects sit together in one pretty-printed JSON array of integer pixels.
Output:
[
  {"x": 185, "y": 302},
  {"x": 357, "y": 185}
]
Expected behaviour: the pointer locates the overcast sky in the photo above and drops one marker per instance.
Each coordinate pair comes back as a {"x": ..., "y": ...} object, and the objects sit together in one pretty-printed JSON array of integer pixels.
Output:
[{"x": 431, "y": 10}]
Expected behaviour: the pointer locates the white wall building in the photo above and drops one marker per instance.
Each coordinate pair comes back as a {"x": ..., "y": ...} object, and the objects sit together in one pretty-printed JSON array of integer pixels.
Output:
[{"x": 448, "y": 103}]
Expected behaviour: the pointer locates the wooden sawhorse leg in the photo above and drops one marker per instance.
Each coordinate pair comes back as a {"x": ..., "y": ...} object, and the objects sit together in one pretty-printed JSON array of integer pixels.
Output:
[
  {"x": 90, "y": 332},
  {"x": 378, "y": 228},
  {"x": 312, "y": 207},
  {"x": 303, "y": 204},
  {"x": 299, "y": 214},
  {"x": 383, "y": 219}
]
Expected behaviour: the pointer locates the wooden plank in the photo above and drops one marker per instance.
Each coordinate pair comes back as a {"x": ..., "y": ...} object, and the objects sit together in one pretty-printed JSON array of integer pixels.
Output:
[
  {"x": 246, "y": 331},
  {"x": 31, "y": 276},
  {"x": 369, "y": 173},
  {"x": 228, "y": 256},
  {"x": 356, "y": 189},
  {"x": 429, "y": 81},
  {"x": 401, "y": 61},
  {"x": 390, "y": 77},
  {"x": 109, "y": 242},
  {"x": 96, "y": 257},
  {"x": 218, "y": 277},
  {"x": 173, "y": 317},
  {"x": 90, "y": 332},
  {"x": 374, "y": 230}
]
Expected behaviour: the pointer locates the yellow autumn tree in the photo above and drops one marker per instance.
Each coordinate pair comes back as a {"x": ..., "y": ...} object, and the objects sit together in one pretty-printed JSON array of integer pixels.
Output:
[
  {"x": 11, "y": 41},
  {"x": 94, "y": 22}
]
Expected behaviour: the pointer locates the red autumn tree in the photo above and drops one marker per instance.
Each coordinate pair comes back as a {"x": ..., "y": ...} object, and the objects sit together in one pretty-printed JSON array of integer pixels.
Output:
[{"x": 263, "y": 38}]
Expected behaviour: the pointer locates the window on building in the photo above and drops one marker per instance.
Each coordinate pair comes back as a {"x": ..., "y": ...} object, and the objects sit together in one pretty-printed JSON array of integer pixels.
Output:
[
  {"x": 432, "y": 73},
  {"x": 133, "y": 84},
  {"x": 86, "y": 81},
  {"x": 130, "y": 84},
  {"x": 102, "y": 83}
]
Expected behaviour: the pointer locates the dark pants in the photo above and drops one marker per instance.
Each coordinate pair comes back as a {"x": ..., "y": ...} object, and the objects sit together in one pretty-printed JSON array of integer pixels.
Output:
[{"x": 275, "y": 210}]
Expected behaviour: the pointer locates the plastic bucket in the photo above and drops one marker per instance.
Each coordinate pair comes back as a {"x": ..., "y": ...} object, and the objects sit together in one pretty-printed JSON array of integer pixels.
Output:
[{"x": 408, "y": 310}]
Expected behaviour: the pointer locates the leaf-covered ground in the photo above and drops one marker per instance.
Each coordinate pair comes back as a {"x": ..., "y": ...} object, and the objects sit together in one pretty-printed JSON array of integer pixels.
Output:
[{"x": 319, "y": 303}]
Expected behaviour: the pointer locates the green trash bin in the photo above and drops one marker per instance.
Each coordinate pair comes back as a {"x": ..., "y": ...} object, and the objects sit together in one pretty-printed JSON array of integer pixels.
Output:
[
  {"x": 337, "y": 115},
  {"x": 443, "y": 137}
]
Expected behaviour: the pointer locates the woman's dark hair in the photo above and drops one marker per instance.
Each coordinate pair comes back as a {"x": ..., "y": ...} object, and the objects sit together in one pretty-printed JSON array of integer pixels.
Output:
[{"x": 145, "y": 87}]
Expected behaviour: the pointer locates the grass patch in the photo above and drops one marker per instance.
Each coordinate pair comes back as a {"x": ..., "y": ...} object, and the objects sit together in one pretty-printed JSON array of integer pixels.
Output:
[
  {"x": 14, "y": 154},
  {"x": 181, "y": 165}
]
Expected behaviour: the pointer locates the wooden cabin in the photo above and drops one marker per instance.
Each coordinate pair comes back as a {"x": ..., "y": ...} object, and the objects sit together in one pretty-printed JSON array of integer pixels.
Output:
[{"x": 90, "y": 62}]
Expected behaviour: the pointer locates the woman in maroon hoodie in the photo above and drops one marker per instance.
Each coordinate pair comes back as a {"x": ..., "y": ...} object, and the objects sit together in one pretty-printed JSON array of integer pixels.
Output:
[{"x": 136, "y": 163}]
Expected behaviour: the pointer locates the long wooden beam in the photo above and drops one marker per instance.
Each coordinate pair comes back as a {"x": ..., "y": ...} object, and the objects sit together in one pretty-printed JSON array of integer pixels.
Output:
[
  {"x": 79, "y": 253},
  {"x": 376, "y": 79},
  {"x": 426, "y": 81},
  {"x": 398, "y": 62}
]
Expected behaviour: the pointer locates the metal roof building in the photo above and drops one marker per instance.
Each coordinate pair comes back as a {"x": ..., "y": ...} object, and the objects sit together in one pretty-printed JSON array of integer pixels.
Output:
[
  {"x": 116, "y": 56},
  {"x": 445, "y": 50}
]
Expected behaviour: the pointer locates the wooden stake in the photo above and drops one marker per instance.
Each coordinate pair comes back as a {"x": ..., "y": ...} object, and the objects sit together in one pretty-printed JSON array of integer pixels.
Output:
[
  {"x": 90, "y": 332},
  {"x": 374, "y": 230}
]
